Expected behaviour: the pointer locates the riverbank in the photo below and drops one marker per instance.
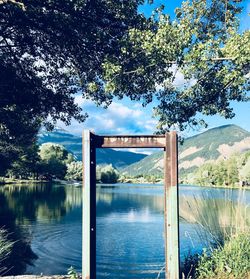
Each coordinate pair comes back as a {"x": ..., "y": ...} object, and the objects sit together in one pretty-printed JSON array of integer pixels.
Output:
[
  {"x": 9, "y": 181},
  {"x": 5, "y": 181},
  {"x": 161, "y": 182}
]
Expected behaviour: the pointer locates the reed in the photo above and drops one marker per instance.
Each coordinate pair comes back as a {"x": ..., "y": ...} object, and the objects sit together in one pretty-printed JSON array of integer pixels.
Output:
[
  {"x": 5, "y": 249},
  {"x": 218, "y": 219},
  {"x": 224, "y": 227}
]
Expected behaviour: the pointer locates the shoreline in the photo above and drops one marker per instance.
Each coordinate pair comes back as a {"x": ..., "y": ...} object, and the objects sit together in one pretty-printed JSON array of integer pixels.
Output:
[{"x": 7, "y": 181}]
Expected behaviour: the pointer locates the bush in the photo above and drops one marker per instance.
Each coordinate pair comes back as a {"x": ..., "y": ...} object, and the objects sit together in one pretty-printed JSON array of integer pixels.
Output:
[
  {"x": 107, "y": 174},
  {"x": 230, "y": 261},
  {"x": 74, "y": 171}
]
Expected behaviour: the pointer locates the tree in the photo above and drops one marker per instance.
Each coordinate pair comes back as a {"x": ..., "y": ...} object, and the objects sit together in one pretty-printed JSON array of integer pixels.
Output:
[
  {"x": 49, "y": 50},
  {"x": 232, "y": 171},
  {"x": 54, "y": 160},
  {"x": 203, "y": 45},
  {"x": 74, "y": 171},
  {"x": 107, "y": 174},
  {"x": 245, "y": 172},
  {"x": 27, "y": 164}
]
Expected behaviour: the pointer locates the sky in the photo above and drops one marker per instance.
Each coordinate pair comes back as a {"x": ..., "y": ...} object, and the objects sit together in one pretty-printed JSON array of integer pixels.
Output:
[{"x": 125, "y": 117}]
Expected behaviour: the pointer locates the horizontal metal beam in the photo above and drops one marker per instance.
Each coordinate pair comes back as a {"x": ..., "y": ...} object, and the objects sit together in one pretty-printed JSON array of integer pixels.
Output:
[{"x": 156, "y": 141}]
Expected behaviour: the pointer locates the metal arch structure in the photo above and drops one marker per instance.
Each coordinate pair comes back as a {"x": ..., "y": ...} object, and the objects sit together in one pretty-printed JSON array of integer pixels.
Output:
[{"x": 168, "y": 143}]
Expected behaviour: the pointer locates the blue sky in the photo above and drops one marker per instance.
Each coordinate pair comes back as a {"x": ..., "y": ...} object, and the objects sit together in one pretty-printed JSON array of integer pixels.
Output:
[{"x": 129, "y": 117}]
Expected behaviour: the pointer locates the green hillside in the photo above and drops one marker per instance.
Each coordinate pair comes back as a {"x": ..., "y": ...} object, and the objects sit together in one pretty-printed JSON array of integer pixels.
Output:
[
  {"x": 215, "y": 143},
  {"x": 118, "y": 159}
]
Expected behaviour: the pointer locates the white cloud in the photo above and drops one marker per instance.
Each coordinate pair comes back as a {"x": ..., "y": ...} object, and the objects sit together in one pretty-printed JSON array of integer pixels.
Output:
[
  {"x": 150, "y": 124},
  {"x": 125, "y": 117},
  {"x": 80, "y": 101},
  {"x": 123, "y": 111},
  {"x": 137, "y": 105},
  {"x": 106, "y": 123},
  {"x": 179, "y": 80},
  {"x": 146, "y": 151}
]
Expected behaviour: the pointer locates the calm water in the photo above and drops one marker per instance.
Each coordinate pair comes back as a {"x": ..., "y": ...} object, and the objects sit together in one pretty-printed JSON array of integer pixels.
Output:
[
  {"x": 130, "y": 240},
  {"x": 48, "y": 220}
]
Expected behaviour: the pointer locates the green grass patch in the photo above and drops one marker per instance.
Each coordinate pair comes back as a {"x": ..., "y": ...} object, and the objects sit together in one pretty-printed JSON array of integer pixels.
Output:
[{"x": 229, "y": 261}]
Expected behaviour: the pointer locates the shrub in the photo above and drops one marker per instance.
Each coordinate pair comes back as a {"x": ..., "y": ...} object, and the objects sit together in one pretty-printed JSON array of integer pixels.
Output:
[
  {"x": 230, "y": 261},
  {"x": 74, "y": 171},
  {"x": 107, "y": 174}
]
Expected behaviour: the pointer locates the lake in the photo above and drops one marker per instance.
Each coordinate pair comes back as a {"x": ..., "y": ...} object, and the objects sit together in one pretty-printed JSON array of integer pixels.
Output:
[{"x": 130, "y": 241}]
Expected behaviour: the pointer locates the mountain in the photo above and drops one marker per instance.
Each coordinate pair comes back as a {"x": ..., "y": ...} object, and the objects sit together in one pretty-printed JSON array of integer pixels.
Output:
[
  {"x": 72, "y": 143},
  {"x": 211, "y": 145}
]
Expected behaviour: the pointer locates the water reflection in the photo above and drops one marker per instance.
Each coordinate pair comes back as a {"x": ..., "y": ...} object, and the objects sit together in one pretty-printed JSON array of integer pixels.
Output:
[
  {"x": 46, "y": 221},
  {"x": 36, "y": 216},
  {"x": 130, "y": 242}
]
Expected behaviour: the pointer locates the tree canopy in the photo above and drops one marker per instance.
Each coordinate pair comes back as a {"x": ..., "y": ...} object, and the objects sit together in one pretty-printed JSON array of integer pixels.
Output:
[
  {"x": 54, "y": 160},
  {"x": 203, "y": 44},
  {"x": 49, "y": 50},
  {"x": 107, "y": 174}
]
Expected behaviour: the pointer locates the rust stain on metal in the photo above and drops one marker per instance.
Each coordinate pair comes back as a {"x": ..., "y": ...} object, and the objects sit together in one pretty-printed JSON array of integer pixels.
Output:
[
  {"x": 130, "y": 141},
  {"x": 174, "y": 159}
]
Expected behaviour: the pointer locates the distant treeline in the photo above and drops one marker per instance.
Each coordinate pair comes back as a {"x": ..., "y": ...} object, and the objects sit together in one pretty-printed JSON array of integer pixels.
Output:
[
  {"x": 234, "y": 171},
  {"x": 52, "y": 161},
  {"x": 43, "y": 162}
]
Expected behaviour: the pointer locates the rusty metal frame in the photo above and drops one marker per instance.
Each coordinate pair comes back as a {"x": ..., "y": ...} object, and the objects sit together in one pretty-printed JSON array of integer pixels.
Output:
[{"x": 171, "y": 197}]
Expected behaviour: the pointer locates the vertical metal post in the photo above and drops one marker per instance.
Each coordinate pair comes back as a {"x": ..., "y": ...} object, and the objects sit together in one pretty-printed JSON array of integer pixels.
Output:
[
  {"x": 171, "y": 213},
  {"x": 89, "y": 206}
]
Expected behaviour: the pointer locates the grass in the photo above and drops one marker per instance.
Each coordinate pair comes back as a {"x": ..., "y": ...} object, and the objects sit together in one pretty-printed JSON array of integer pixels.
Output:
[
  {"x": 218, "y": 219},
  {"x": 230, "y": 261},
  {"x": 224, "y": 226},
  {"x": 5, "y": 249}
]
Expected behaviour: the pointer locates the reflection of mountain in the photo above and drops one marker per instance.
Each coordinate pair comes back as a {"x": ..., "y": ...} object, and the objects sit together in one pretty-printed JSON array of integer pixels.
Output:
[{"x": 221, "y": 202}]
